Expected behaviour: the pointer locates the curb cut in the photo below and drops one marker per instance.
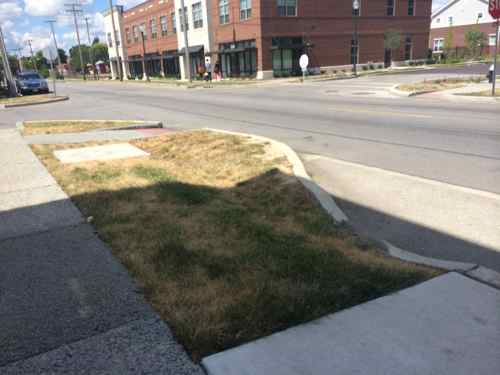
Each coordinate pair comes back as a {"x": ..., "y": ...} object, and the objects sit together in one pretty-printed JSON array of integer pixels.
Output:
[
  {"x": 54, "y": 100},
  {"x": 325, "y": 199}
]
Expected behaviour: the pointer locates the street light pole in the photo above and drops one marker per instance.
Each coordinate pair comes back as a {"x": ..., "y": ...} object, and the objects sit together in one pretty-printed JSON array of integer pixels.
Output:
[
  {"x": 355, "y": 15},
  {"x": 493, "y": 87},
  {"x": 51, "y": 23}
]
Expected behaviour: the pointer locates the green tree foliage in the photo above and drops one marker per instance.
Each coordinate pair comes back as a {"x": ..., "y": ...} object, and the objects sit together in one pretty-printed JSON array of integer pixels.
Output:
[
  {"x": 62, "y": 55},
  {"x": 475, "y": 40},
  {"x": 75, "y": 57},
  {"x": 392, "y": 39},
  {"x": 448, "y": 43},
  {"x": 100, "y": 51}
]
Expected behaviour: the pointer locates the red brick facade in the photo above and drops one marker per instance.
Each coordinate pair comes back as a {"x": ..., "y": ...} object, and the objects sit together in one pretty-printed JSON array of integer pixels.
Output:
[
  {"x": 325, "y": 30},
  {"x": 459, "y": 35}
]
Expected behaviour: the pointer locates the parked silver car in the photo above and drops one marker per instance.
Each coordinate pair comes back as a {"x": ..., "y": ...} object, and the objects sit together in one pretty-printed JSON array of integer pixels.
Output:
[{"x": 31, "y": 82}]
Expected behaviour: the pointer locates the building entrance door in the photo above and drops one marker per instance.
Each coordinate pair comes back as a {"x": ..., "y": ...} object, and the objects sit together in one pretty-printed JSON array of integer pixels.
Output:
[{"x": 388, "y": 58}]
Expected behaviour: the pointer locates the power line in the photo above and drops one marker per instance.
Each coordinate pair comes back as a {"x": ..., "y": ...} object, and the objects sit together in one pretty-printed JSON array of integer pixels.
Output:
[{"x": 76, "y": 9}]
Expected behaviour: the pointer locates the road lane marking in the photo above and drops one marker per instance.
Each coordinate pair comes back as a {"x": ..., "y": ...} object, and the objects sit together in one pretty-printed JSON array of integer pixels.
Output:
[{"x": 379, "y": 113}]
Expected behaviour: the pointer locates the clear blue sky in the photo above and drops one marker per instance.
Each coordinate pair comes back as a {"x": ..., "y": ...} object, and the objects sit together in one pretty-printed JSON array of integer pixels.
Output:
[{"x": 23, "y": 20}]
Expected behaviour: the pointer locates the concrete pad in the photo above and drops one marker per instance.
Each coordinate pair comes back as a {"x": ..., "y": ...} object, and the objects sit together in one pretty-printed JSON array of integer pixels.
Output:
[
  {"x": 29, "y": 211},
  {"x": 447, "y": 325},
  {"x": 106, "y": 152},
  {"x": 58, "y": 287},
  {"x": 140, "y": 347}
]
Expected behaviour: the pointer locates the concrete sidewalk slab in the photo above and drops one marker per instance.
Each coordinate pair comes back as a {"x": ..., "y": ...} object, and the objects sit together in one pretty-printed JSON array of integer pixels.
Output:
[
  {"x": 447, "y": 325},
  {"x": 139, "y": 347},
  {"x": 35, "y": 210},
  {"x": 61, "y": 286},
  {"x": 106, "y": 152}
]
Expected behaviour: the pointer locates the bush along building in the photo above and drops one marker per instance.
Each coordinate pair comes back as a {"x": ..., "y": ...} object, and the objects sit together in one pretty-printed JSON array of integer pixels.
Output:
[
  {"x": 462, "y": 28},
  {"x": 265, "y": 38}
]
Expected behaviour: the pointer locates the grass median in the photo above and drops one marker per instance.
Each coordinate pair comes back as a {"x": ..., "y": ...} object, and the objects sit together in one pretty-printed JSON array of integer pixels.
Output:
[
  {"x": 29, "y": 99},
  {"x": 438, "y": 84},
  {"x": 226, "y": 244},
  {"x": 69, "y": 126}
]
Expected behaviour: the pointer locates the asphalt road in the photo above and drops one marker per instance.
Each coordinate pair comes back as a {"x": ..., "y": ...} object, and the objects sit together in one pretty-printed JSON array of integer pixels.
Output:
[{"x": 352, "y": 120}]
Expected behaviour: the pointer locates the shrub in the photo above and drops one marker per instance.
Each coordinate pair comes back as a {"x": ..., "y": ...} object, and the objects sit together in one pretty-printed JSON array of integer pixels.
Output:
[{"x": 364, "y": 67}]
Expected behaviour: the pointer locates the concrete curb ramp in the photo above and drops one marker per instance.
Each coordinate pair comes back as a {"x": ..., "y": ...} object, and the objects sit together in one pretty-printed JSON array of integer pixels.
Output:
[{"x": 45, "y": 101}]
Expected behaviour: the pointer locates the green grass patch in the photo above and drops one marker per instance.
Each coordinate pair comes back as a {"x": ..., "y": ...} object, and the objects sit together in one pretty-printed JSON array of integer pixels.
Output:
[{"x": 226, "y": 244}]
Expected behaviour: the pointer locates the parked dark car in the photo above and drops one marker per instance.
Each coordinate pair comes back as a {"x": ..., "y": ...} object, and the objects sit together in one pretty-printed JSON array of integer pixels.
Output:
[{"x": 31, "y": 83}]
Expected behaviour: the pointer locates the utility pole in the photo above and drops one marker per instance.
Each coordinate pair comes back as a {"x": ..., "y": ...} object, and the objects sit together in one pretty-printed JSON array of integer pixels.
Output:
[
  {"x": 113, "y": 38},
  {"x": 92, "y": 61},
  {"x": 144, "y": 57},
  {"x": 32, "y": 55},
  {"x": 19, "y": 60},
  {"x": 184, "y": 20},
  {"x": 76, "y": 8},
  {"x": 51, "y": 23},
  {"x": 11, "y": 83},
  {"x": 53, "y": 72}
]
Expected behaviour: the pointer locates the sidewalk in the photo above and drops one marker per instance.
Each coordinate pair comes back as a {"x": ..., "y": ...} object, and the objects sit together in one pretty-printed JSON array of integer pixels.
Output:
[{"x": 66, "y": 304}]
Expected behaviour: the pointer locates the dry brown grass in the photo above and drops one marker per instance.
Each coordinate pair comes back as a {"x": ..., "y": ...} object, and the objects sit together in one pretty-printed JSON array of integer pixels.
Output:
[
  {"x": 438, "y": 84},
  {"x": 227, "y": 246},
  {"x": 485, "y": 93},
  {"x": 70, "y": 126},
  {"x": 27, "y": 99}
]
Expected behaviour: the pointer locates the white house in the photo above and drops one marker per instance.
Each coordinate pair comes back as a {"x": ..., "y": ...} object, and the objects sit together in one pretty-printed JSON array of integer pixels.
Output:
[
  {"x": 458, "y": 16},
  {"x": 118, "y": 39}
]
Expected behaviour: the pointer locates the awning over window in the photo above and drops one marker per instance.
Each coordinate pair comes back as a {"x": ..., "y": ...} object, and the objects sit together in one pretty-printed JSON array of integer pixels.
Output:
[{"x": 191, "y": 49}]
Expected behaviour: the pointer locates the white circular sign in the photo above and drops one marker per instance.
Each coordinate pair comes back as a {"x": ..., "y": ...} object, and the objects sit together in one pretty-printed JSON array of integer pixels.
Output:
[{"x": 304, "y": 61}]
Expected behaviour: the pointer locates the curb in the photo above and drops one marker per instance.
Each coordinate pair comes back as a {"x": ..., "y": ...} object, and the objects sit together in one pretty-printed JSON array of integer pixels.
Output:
[
  {"x": 405, "y": 94},
  {"x": 47, "y": 101},
  {"x": 472, "y": 270},
  {"x": 300, "y": 172},
  {"x": 144, "y": 125}
]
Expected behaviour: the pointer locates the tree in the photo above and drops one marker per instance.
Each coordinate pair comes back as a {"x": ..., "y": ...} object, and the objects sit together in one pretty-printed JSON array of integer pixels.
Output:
[
  {"x": 75, "y": 57},
  {"x": 392, "y": 40},
  {"x": 448, "y": 43},
  {"x": 62, "y": 56},
  {"x": 100, "y": 51},
  {"x": 475, "y": 41},
  {"x": 96, "y": 40}
]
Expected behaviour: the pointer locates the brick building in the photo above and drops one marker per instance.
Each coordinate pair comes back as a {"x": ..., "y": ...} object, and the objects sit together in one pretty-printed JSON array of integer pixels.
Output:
[
  {"x": 454, "y": 19},
  {"x": 265, "y": 38}
]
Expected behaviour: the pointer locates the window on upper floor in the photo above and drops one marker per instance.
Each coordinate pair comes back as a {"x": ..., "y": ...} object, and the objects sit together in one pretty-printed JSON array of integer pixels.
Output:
[
  {"x": 408, "y": 48},
  {"x": 128, "y": 35},
  {"x": 391, "y": 7},
  {"x": 437, "y": 45},
  {"x": 245, "y": 9},
  {"x": 110, "y": 40},
  {"x": 142, "y": 31},
  {"x": 411, "y": 7},
  {"x": 174, "y": 22},
  {"x": 287, "y": 8},
  {"x": 163, "y": 25},
  {"x": 223, "y": 12},
  {"x": 450, "y": 21},
  {"x": 492, "y": 40},
  {"x": 183, "y": 19},
  {"x": 153, "y": 27},
  {"x": 135, "y": 32},
  {"x": 197, "y": 15}
]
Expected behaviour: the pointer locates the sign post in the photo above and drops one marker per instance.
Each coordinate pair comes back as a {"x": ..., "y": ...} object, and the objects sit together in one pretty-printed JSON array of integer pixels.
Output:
[
  {"x": 304, "y": 62},
  {"x": 494, "y": 9}
]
